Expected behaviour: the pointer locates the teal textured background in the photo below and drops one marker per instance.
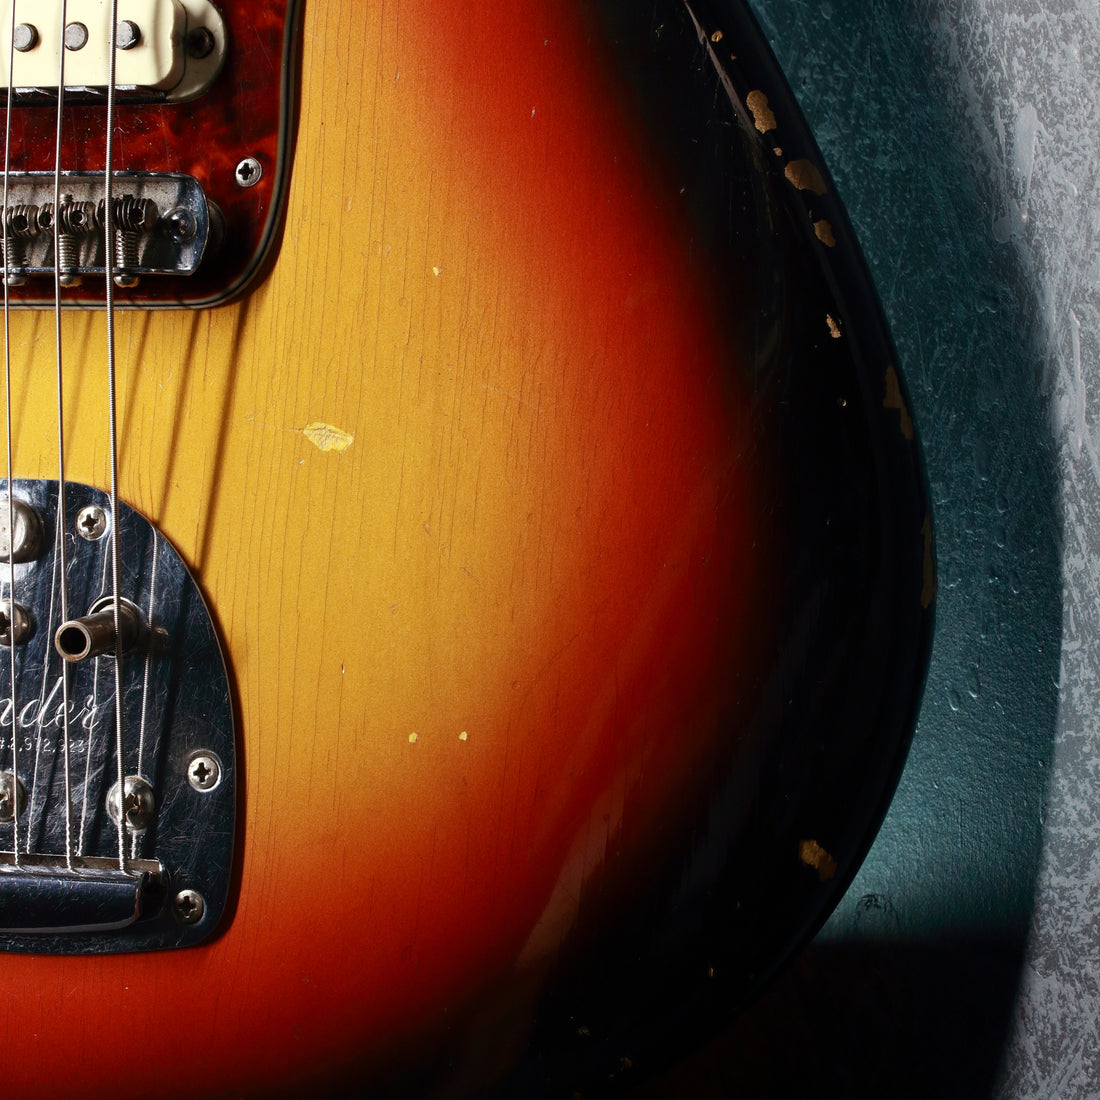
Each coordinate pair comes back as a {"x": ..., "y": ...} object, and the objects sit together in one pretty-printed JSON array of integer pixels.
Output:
[
  {"x": 964, "y": 140},
  {"x": 958, "y": 853}
]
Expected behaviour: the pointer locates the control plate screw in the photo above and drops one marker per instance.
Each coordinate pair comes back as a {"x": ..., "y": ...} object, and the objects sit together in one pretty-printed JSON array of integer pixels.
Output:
[
  {"x": 28, "y": 531},
  {"x": 138, "y": 803},
  {"x": 91, "y": 523},
  {"x": 189, "y": 906},
  {"x": 13, "y": 796},
  {"x": 204, "y": 772},
  {"x": 15, "y": 623}
]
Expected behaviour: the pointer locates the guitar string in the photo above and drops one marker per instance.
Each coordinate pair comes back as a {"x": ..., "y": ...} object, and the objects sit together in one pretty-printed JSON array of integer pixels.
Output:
[
  {"x": 91, "y": 708},
  {"x": 148, "y": 659},
  {"x": 61, "y": 520},
  {"x": 146, "y": 675},
  {"x": 43, "y": 696},
  {"x": 7, "y": 409},
  {"x": 112, "y": 425}
]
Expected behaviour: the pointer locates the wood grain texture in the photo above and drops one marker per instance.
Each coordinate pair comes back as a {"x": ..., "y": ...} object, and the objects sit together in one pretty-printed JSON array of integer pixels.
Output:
[{"x": 479, "y": 652}]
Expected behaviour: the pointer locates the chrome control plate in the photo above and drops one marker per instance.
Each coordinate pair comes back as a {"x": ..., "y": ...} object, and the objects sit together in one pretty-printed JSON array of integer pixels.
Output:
[{"x": 65, "y": 888}]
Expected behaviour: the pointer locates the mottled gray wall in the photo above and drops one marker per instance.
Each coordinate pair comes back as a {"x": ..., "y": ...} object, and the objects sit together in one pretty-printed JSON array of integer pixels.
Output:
[{"x": 1025, "y": 81}]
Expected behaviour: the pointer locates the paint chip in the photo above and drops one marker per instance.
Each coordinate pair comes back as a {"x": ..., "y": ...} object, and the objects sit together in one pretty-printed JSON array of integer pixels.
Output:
[
  {"x": 413, "y": 738},
  {"x": 806, "y": 176},
  {"x": 717, "y": 36},
  {"x": 813, "y": 855},
  {"x": 437, "y": 271},
  {"x": 327, "y": 438},
  {"x": 894, "y": 400},
  {"x": 824, "y": 233},
  {"x": 834, "y": 326},
  {"x": 463, "y": 736},
  {"x": 762, "y": 114}
]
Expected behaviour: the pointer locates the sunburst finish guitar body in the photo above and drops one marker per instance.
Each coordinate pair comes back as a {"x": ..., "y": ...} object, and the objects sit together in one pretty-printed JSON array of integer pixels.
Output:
[{"x": 548, "y": 479}]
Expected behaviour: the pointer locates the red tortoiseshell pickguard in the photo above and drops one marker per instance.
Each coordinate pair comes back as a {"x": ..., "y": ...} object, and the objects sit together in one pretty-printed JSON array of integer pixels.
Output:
[{"x": 246, "y": 113}]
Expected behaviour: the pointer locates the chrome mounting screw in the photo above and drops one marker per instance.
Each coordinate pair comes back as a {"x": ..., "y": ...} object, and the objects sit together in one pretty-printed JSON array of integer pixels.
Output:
[
  {"x": 248, "y": 172},
  {"x": 15, "y": 621},
  {"x": 91, "y": 522},
  {"x": 189, "y": 906},
  {"x": 28, "y": 531},
  {"x": 12, "y": 796},
  {"x": 204, "y": 772},
  {"x": 138, "y": 803},
  {"x": 181, "y": 224}
]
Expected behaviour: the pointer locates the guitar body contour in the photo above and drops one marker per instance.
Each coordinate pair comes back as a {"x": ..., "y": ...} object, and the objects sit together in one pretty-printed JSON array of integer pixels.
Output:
[{"x": 484, "y": 488}]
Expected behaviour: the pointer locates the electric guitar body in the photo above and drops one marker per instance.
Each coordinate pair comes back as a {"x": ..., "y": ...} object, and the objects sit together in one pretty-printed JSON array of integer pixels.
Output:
[{"x": 532, "y": 436}]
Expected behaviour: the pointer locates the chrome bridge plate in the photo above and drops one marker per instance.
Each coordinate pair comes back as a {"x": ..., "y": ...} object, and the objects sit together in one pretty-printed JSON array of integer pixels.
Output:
[
  {"x": 160, "y": 225},
  {"x": 65, "y": 888}
]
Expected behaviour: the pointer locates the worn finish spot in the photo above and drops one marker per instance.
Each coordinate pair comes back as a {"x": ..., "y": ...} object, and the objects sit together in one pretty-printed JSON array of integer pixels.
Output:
[
  {"x": 813, "y": 855},
  {"x": 894, "y": 400},
  {"x": 834, "y": 326},
  {"x": 762, "y": 114},
  {"x": 327, "y": 438},
  {"x": 806, "y": 176},
  {"x": 717, "y": 36},
  {"x": 824, "y": 233}
]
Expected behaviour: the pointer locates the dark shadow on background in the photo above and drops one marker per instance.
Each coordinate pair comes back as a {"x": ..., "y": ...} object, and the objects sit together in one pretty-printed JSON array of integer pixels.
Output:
[
  {"x": 898, "y": 1020},
  {"x": 921, "y": 1003}
]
